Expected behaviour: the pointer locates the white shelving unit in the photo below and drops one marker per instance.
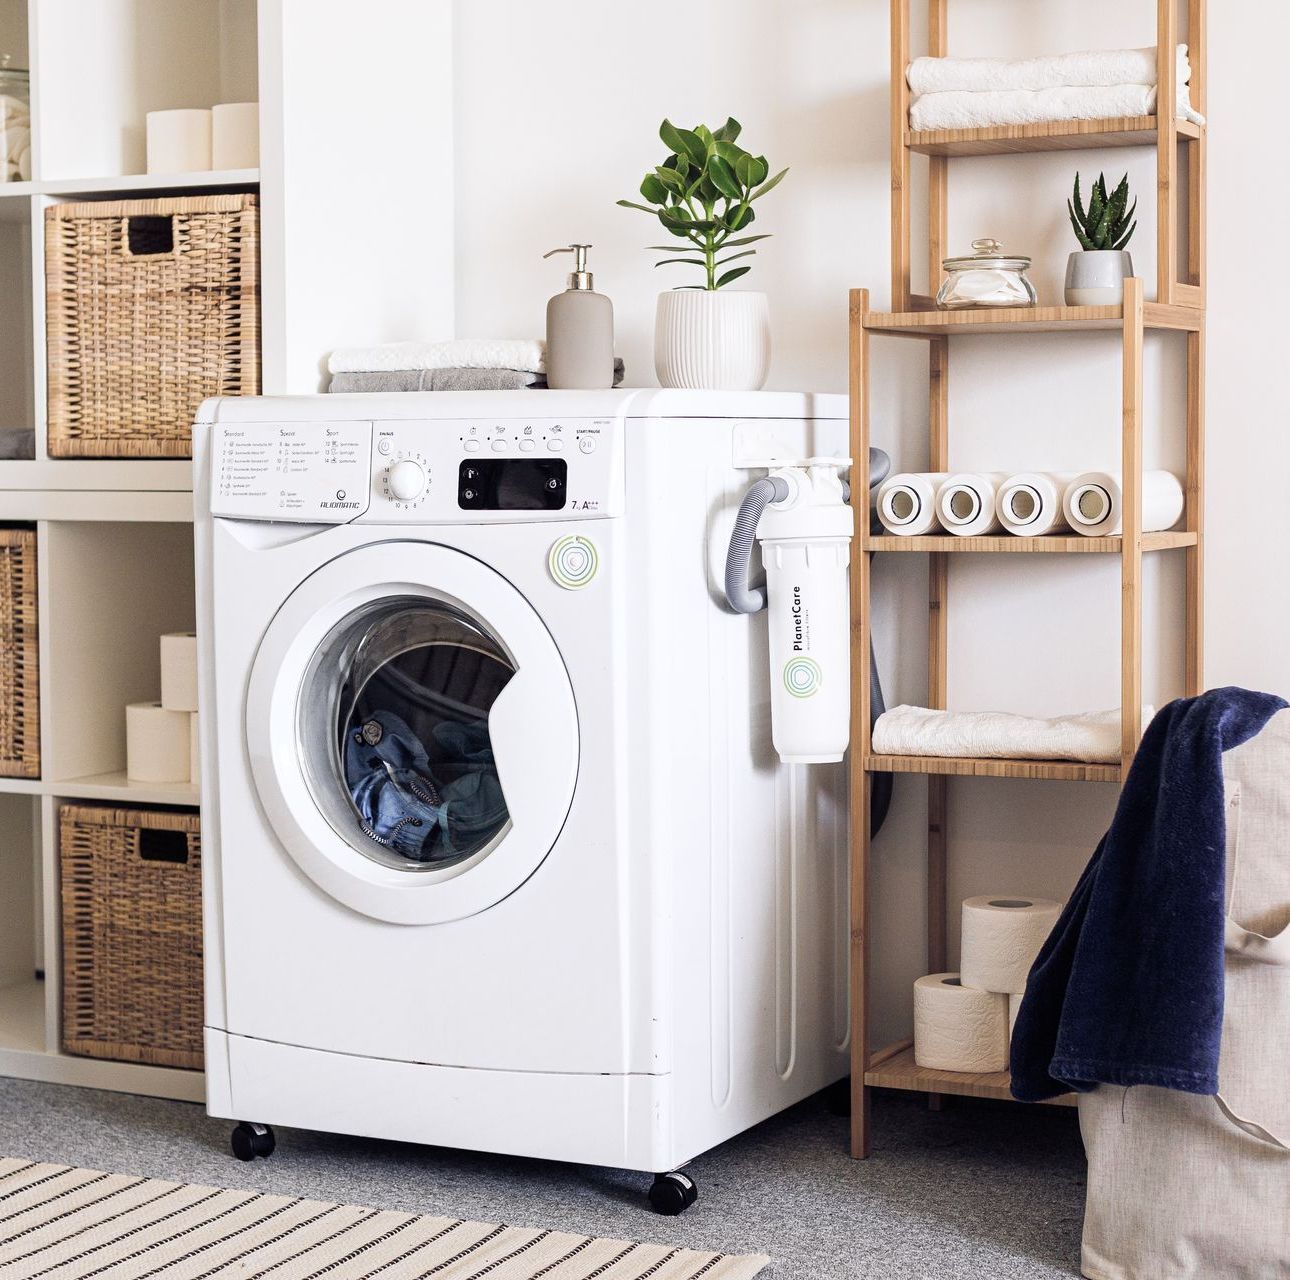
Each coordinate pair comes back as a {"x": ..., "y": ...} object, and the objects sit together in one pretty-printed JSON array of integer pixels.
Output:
[{"x": 356, "y": 247}]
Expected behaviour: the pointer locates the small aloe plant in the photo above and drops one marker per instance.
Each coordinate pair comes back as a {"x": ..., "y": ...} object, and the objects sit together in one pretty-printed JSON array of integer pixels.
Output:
[
  {"x": 1102, "y": 225},
  {"x": 703, "y": 195}
]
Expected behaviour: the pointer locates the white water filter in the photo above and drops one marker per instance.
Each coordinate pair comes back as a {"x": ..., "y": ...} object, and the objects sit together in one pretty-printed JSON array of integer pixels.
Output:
[{"x": 806, "y": 548}]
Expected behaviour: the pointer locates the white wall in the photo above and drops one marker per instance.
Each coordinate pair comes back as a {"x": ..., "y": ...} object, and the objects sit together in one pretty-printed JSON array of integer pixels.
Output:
[{"x": 557, "y": 107}]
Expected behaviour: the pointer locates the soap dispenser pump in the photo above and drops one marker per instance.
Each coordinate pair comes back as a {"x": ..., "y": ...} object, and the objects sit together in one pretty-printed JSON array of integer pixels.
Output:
[{"x": 579, "y": 331}]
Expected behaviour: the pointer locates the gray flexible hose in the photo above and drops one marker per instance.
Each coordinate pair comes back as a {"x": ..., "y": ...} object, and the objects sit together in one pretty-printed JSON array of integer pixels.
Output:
[{"x": 739, "y": 595}]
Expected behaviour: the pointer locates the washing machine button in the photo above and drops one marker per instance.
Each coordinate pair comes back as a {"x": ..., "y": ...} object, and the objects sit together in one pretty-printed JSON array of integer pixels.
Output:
[
  {"x": 499, "y": 446},
  {"x": 573, "y": 562},
  {"x": 473, "y": 446},
  {"x": 384, "y": 446},
  {"x": 587, "y": 444},
  {"x": 527, "y": 446},
  {"x": 556, "y": 444}
]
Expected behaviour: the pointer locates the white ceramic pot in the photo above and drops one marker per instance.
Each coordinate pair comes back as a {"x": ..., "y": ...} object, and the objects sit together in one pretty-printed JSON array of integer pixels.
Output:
[
  {"x": 1095, "y": 277},
  {"x": 714, "y": 340}
]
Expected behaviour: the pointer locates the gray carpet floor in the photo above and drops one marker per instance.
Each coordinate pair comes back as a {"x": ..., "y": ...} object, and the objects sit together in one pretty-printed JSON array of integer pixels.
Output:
[{"x": 977, "y": 1191}]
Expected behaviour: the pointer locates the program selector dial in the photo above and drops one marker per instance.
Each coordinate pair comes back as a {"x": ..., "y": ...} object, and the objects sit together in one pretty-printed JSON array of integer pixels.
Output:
[{"x": 407, "y": 480}]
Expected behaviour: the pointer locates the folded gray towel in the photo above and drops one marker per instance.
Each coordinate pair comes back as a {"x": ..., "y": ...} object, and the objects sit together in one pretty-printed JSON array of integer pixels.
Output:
[
  {"x": 447, "y": 380},
  {"x": 17, "y": 442}
]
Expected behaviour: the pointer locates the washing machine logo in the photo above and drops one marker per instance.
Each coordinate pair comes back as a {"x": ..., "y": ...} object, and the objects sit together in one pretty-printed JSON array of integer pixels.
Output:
[
  {"x": 573, "y": 562},
  {"x": 802, "y": 677},
  {"x": 340, "y": 502}
]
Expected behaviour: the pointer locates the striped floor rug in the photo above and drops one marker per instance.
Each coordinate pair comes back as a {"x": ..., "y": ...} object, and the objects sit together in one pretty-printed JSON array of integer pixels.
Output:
[{"x": 73, "y": 1224}]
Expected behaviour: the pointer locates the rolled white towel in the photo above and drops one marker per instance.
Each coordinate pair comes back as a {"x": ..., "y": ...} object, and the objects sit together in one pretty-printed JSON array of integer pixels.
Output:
[
  {"x": 528, "y": 354},
  {"x": 964, "y": 110},
  {"x": 1092, "y": 68},
  {"x": 1094, "y": 502},
  {"x": 965, "y": 502},
  {"x": 1029, "y": 503},
  {"x": 906, "y": 502},
  {"x": 1093, "y": 737}
]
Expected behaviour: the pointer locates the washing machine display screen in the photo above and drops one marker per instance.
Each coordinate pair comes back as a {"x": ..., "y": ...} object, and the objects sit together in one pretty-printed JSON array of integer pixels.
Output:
[
  {"x": 393, "y": 731},
  {"x": 512, "y": 484}
]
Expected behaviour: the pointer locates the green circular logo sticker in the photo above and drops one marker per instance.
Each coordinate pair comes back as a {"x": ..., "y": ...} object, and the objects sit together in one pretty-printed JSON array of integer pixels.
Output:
[
  {"x": 802, "y": 677},
  {"x": 573, "y": 561}
]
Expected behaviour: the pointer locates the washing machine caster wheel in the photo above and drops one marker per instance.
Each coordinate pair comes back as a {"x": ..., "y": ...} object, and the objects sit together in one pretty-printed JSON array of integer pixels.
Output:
[
  {"x": 672, "y": 1193},
  {"x": 251, "y": 1140}
]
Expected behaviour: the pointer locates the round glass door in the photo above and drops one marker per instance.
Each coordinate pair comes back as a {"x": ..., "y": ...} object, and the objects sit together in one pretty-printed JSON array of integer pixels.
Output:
[{"x": 393, "y": 732}]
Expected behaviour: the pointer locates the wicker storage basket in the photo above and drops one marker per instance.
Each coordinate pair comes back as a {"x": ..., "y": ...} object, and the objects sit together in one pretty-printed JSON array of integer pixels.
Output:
[
  {"x": 151, "y": 306},
  {"x": 19, "y": 669},
  {"x": 132, "y": 934}
]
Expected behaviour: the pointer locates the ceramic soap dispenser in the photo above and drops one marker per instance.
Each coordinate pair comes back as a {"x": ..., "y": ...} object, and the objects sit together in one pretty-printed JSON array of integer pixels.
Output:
[{"x": 579, "y": 331}]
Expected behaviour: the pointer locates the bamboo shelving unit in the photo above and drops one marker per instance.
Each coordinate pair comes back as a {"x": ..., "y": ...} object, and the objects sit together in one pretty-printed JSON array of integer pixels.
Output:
[{"x": 1177, "y": 308}]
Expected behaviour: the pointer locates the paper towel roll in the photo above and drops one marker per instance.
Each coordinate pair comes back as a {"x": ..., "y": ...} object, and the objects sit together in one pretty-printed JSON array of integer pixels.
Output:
[
  {"x": 1001, "y": 938},
  {"x": 179, "y": 671},
  {"x": 1029, "y": 504},
  {"x": 957, "y": 1028},
  {"x": 1014, "y": 1007},
  {"x": 235, "y": 135},
  {"x": 906, "y": 502},
  {"x": 965, "y": 502},
  {"x": 1094, "y": 502},
  {"x": 194, "y": 749},
  {"x": 179, "y": 141},
  {"x": 157, "y": 743}
]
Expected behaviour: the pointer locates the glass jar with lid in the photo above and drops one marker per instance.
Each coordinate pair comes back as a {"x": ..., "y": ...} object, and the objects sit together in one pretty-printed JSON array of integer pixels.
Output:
[
  {"x": 15, "y": 122},
  {"x": 988, "y": 278}
]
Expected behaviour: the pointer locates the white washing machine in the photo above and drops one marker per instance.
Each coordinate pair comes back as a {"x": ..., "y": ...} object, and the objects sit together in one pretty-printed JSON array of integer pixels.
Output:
[{"x": 497, "y": 851}]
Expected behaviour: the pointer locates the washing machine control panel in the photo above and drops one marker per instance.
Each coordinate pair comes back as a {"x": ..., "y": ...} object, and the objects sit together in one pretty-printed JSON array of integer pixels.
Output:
[{"x": 418, "y": 471}]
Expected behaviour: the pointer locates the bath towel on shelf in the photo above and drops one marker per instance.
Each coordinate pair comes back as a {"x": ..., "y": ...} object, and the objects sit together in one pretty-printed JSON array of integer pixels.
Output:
[
  {"x": 1092, "y": 738},
  {"x": 1064, "y": 70},
  {"x": 1128, "y": 989},
  {"x": 527, "y": 354},
  {"x": 447, "y": 380},
  {"x": 960, "y": 109}
]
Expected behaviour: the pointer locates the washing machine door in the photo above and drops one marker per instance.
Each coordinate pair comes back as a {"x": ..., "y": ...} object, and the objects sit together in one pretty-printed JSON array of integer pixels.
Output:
[{"x": 412, "y": 733}]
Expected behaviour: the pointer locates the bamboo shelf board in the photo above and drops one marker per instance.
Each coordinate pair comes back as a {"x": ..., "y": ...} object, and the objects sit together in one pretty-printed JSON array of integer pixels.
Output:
[
  {"x": 1055, "y": 135},
  {"x": 971, "y": 767},
  {"x": 986, "y": 320},
  {"x": 1052, "y": 544},
  {"x": 899, "y": 1071}
]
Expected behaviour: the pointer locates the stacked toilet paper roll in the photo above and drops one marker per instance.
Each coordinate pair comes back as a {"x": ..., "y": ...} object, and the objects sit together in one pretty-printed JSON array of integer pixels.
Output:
[
  {"x": 964, "y": 1021},
  {"x": 161, "y": 737},
  {"x": 179, "y": 141}
]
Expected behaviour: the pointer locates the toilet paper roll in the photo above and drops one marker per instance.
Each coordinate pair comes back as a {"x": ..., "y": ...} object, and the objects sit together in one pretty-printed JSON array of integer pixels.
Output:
[
  {"x": 194, "y": 749},
  {"x": 179, "y": 671},
  {"x": 1094, "y": 502},
  {"x": 906, "y": 502},
  {"x": 1029, "y": 504},
  {"x": 957, "y": 1028},
  {"x": 1014, "y": 1007},
  {"x": 235, "y": 135},
  {"x": 179, "y": 141},
  {"x": 1001, "y": 938},
  {"x": 965, "y": 502},
  {"x": 157, "y": 743}
]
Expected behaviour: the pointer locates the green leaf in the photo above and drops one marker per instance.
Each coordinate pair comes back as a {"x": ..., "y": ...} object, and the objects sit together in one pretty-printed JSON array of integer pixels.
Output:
[
  {"x": 670, "y": 178},
  {"x": 652, "y": 188},
  {"x": 731, "y": 276},
  {"x": 1122, "y": 222},
  {"x": 669, "y": 225},
  {"x": 738, "y": 216},
  {"x": 759, "y": 171},
  {"x": 693, "y": 146},
  {"x": 731, "y": 244},
  {"x": 689, "y": 262},
  {"x": 1125, "y": 238},
  {"x": 670, "y": 248},
  {"x": 671, "y": 136},
  {"x": 1078, "y": 211},
  {"x": 747, "y": 253},
  {"x": 729, "y": 131},
  {"x": 745, "y": 168},
  {"x": 1078, "y": 228},
  {"x": 723, "y": 178},
  {"x": 630, "y": 204},
  {"x": 769, "y": 186},
  {"x": 675, "y": 217},
  {"x": 729, "y": 153},
  {"x": 704, "y": 134}
]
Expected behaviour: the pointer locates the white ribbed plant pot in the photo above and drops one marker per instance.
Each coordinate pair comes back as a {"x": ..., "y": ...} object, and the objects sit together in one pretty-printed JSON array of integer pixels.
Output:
[
  {"x": 712, "y": 339},
  {"x": 1095, "y": 277}
]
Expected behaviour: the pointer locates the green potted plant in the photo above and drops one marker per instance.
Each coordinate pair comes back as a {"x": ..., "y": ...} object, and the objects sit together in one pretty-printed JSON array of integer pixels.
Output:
[
  {"x": 1096, "y": 272},
  {"x": 707, "y": 334}
]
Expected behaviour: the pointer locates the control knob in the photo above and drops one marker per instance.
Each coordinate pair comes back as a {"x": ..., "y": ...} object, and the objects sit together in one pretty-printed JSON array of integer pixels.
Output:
[{"x": 407, "y": 480}]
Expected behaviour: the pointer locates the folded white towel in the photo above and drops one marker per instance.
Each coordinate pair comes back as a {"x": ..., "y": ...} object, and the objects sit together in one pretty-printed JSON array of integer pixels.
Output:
[
  {"x": 527, "y": 354},
  {"x": 1093, "y": 737},
  {"x": 963, "y": 110},
  {"x": 985, "y": 75}
]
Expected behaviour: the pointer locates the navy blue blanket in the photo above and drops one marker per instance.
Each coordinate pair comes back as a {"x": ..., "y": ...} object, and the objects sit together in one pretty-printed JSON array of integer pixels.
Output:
[{"x": 1128, "y": 989}]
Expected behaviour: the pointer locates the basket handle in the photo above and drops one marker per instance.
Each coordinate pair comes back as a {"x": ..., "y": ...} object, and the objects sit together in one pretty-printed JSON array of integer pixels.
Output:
[
  {"x": 159, "y": 845},
  {"x": 149, "y": 235}
]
